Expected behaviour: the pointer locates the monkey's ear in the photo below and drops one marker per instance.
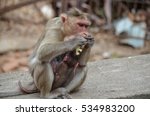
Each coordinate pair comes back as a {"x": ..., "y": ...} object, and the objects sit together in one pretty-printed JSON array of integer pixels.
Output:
[{"x": 63, "y": 17}]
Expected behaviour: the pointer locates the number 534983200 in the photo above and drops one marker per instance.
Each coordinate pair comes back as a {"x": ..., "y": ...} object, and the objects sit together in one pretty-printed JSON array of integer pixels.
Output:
[{"x": 108, "y": 108}]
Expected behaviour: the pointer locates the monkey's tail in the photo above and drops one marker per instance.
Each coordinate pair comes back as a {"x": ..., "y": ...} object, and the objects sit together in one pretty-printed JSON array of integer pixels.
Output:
[{"x": 29, "y": 90}]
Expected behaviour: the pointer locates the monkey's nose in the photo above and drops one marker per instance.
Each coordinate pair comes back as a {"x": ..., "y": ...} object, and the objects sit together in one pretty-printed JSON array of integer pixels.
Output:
[{"x": 85, "y": 34}]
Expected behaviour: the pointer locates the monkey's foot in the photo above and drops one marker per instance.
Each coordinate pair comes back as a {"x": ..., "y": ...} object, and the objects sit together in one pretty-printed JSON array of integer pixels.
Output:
[
  {"x": 60, "y": 93},
  {"x": 27, "y": 87},
  {"x": 58, "y": 96},
  {"x": 66, "y": 96}
]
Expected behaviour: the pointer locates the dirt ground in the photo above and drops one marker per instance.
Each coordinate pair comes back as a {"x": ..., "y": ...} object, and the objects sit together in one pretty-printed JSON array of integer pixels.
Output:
[{"x": 17, "y": 41}]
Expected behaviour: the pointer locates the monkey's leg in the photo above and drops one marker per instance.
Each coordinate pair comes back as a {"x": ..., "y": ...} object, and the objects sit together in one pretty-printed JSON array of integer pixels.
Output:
[
  {"x": 27, "y": 87},
  {"x": 77, "y": 80},
  {"x": 43, "y": 78}
]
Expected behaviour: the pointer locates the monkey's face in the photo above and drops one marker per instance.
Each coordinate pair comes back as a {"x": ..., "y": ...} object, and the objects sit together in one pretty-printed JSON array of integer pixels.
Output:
[{"x": 76, "y": 25}]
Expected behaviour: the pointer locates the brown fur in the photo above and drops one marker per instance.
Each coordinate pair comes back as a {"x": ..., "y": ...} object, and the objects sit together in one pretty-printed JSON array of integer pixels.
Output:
[{"x": 48, "y": 67}]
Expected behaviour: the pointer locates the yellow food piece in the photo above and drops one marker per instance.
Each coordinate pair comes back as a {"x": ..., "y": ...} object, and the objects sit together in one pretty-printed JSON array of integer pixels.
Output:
[{"x": 79, "y": 49}]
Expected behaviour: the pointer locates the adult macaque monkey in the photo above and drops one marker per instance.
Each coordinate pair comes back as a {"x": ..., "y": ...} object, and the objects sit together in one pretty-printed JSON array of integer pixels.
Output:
[{"x": 58, "y": 67}]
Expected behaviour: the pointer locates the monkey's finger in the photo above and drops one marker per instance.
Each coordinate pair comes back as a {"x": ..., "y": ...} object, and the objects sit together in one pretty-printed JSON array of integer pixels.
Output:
[
  {"x": 58, "y": 97},
  {"x": 61, "y": 97},
  {"x": 89, "y": 37},
  {"x": 90, "y": 42},
  {"x": 83, "y": 41},
  {"x": 66, "y": 96}
]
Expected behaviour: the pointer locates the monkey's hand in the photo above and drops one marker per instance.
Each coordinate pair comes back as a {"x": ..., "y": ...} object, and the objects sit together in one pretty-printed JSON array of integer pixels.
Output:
[
  {"x": 77, "y": 41},
  {"x": 90, "y": 40}
]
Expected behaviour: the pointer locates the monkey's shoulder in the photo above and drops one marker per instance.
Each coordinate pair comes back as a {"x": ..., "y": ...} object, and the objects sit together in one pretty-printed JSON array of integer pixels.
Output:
[{"x": 54, "y": 23}]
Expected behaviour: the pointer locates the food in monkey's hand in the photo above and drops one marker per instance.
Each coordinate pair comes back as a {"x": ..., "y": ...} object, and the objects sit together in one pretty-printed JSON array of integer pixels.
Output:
[
  {"x": 79, "y": 49},
  {"x": 90, "y": 42}
]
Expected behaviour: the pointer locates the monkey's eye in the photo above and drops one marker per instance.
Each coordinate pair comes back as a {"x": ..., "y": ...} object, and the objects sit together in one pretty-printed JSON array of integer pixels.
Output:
[{"x": 83, "y": 25}]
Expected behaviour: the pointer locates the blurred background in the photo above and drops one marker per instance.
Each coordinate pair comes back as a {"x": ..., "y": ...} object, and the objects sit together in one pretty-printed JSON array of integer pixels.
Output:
[{"x": 121, "y": 28}]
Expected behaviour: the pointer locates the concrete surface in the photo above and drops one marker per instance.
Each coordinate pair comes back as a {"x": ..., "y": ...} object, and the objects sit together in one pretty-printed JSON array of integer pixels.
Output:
[{"x": 113, "y": 78}]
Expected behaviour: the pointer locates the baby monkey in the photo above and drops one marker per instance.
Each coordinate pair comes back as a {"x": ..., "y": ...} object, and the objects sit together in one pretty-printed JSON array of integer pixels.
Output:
[{"x": 58, "y": 67}]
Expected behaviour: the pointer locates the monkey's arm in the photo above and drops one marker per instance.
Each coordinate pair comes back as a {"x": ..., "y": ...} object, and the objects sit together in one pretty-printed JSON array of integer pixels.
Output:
[
  {"x": 81, "y": 72},
  {"x": 85, "y": 56},
  {"x": 48, "y": 51}
]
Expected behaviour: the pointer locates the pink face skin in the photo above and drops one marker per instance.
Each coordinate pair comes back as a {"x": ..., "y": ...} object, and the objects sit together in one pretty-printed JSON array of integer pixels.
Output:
[
  {"x": 73, "y": 26},
  {"x": 81, "y": 27}
]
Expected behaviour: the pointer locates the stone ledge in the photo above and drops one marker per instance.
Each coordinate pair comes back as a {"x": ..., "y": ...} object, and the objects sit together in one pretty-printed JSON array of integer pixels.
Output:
[{"x": 113, "y": 78}]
